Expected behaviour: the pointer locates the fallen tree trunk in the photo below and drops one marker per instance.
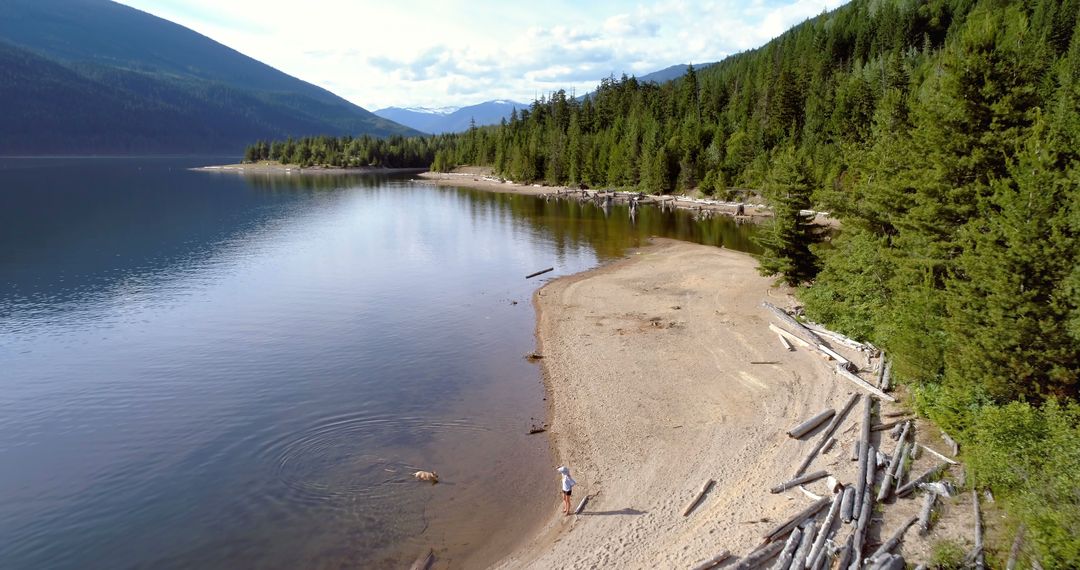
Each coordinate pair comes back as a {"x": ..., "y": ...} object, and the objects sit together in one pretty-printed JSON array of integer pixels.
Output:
[
  {"x": 819, "y": 544},
  {"x": 840, "y": 360},
  {"x": 886, "y": 379},
  {"x": 827, "y": 433},
  {"x": 926, "y": 511},
  {"x": 807, "y": 426},
  {"x": 889, "y": 545},
  {"x": 910, "y": 485},
  {"x": 789, "y": 336},
  {"x": 847, "y": 375},
  {"x": 697, "y": 499},
  {"x": 1014, "y": 552},
  {"x": 784, "y": 341},
  {"x": 847, "y": 505},
  {"x": 798, "y": 562},
  {"x": 714, "y": 561},
  {"x": 864, "y": 448},
  {"x": 783, "y": 562},
  {"x": 581, "y": 505},
  {"x": 541, "y": 272},
  {"x": 424, "y": 562},
  {"x": 786, "y": 526},
  {"x": 760, "y": 555},
  {"x": 838, "y": 337},
  {"x": 801, "y": 330},
  {"x": 978, "y": 530},
  {"x": 894, "y": 464},
  {"x": 798, "y": 481}
]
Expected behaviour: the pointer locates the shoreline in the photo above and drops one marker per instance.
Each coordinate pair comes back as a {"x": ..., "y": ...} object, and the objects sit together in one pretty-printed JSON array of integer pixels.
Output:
[
  {"x": 289, "y": 169},
  {"x": 661, "y": 373}
]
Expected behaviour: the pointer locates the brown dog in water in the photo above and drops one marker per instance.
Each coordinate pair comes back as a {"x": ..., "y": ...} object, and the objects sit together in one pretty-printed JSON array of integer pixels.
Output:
[{"x": 427, "y": 476}]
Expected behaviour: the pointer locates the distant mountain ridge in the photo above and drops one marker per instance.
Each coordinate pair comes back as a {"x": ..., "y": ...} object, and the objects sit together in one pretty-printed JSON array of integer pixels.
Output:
[
  {"x": 92, "y": 76},
  {"x": 449, "y": 120}
]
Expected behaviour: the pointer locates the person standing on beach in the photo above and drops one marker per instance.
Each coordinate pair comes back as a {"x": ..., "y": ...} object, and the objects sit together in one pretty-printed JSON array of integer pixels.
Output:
[{"x": 567, "y": 488}]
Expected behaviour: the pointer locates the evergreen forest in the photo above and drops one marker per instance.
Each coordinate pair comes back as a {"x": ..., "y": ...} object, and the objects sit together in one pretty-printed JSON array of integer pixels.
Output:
[{"x": 944, "y": 135}]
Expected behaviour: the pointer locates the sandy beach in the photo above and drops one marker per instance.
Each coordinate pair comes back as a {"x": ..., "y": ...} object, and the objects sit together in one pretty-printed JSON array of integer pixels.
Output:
[{"x": 662, "y": 373}]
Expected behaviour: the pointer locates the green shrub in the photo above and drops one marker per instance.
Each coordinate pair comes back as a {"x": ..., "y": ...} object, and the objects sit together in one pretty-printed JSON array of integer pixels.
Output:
[
  {"x": 1030, "y": 457},
  {"x": 947, "y": 555}
]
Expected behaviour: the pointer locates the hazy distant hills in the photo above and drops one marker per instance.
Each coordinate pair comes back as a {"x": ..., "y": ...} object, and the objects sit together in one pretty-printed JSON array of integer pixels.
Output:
[
  {"x": 491, "y": 112},
  {"x": 92, "y": 76},
  {"x": 438, "y": 121}
]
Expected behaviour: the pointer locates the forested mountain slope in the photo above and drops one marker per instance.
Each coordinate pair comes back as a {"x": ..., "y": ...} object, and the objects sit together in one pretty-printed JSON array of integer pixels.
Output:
[{"x": 92, "y": 76}]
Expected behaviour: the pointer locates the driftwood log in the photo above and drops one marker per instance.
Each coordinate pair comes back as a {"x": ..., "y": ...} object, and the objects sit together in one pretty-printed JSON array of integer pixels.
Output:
[
  {"x": 581, "y": 505},
  {"x": 938, "y": 455},
  {"x": 840, "y": 360},
  {"x": 894, "y": 464},
  {"x": 697, "y": 499},
  {"x": 541, "y": 272},
  {"x": 789, "y": 336},
  {"x": 844, "y": 557},
  {"x": 888, "y": 546},
  {"x": 759, "y": 556},
  {"x": 864, "y": 449},
  {"x": 926, "y": 511},
  {"x": 783, "y": 562},
  {"x": 908, "y": 487},
  {"x": 780, "y": 530},
  {"x": 797, "y": 327},
  {"x": 848, "y": 375},
  {"x": 827, "y": 433},
  {"x": 953, "y": 446},
  {"x": 978, "y": 530},
  {"x": 805, "y": 544},
  {"x": 714, "y": 561},
  {"x": 784, "y": 341},
  {"x": 808, "y": 426},
  {"x": 886, "y": 378},
  {"x": 847, "y": 504},
  {"x": 424, "y": 562},
  {"x": 1014, "y": 552},
  {"x": 826, "y": 526},
  {"x": 798, "y": 481}
]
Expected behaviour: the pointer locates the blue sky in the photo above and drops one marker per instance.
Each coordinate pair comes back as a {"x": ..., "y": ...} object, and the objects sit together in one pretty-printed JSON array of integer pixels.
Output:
[{"x": 458, "y": 52}]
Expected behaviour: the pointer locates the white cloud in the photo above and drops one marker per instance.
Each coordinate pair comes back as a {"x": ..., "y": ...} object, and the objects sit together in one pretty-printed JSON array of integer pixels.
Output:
[{"x": 459, "y": 52}]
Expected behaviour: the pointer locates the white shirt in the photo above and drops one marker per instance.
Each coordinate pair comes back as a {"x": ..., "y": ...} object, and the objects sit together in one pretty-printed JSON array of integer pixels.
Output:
[{"x": 567, "y": 483}]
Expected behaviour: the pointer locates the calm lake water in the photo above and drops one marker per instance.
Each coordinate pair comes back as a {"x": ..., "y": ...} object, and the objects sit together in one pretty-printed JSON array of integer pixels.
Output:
[{"x": 204, "y": 370}]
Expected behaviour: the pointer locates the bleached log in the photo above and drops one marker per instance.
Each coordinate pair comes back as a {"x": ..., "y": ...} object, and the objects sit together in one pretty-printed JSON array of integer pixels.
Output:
[
  {"x": 953, "y": 446},
  {"x": 783, "y": 562},
  {"x": 840, "y": 360},
  {"x": 786, "y": 526},
  {"x": 828, "y": 445},
  {"x": 890, "y": 472},
  {"x": 807, "y": 426},
  {"x": 714, "y": 561},
  {"x": 827, "y": 433},
  {"x": 864, "y": 451},
  {"x": 890, "y": 544},
  {"x": 979, "y": 564},
  {"x": 800, "y": 329},
  {"x": 809, "y": 495},
  {"x": 784, "y": 341},
  {"x": 581, "y": 505},
  {"x": 789, "y": 336},
  {"x": 886, "y": 379},
  {"x": 806, "y": 543},
  {"x": 844, "y": 558},
  {"x": 838, "y": 337},
  {"x": 798, "y": 481},
  {"x": 847, "y": 375},
  {"x": 847, "y": 504},
  {"x": 697, "y": 499},
  {"x": 939, "y": 456},
  {"x": 887, "y": 425},
  {"x": 1014, "y": 552},
  {"x": 881, "y": 373},
  {"x": 826, "y": 526},
  {"x": 910, "y": 485},
  {"x": 759, "y": 556},
  {"x": 860, "y": 532},
  {"x": 926, "y": 512},
  {"x": 424, "y": 562}
]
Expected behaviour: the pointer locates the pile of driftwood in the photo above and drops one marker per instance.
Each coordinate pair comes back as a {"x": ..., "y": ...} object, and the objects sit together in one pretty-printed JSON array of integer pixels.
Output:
[{"x": 833, "y": 531}]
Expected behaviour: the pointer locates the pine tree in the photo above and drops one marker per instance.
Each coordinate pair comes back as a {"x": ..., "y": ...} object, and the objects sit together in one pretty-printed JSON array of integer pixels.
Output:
[{"x": 787, "y": 237}]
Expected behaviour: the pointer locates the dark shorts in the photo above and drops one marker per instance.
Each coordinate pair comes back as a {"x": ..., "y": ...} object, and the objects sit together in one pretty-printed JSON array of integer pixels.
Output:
[{"x": 567, "y": 493}]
